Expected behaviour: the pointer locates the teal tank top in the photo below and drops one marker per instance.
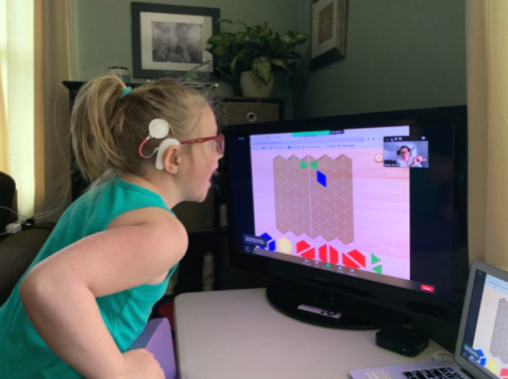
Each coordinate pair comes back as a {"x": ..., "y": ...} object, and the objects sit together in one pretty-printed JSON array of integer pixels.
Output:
[{"x": 23, "y": 353}]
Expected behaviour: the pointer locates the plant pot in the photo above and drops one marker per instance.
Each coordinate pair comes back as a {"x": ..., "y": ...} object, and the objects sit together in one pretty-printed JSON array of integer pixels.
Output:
[{"x": 252, "y": 86}]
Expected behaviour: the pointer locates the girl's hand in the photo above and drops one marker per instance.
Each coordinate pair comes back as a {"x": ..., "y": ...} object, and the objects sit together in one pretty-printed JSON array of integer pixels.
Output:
[{"x": 141, "y": 364}]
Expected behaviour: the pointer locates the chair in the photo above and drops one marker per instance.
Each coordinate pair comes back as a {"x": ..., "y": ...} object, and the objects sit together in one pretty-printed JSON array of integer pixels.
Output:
[
  {"x": 157, "y": 339},
  {"x": 17, "y": 251},
  {"x": 7, "y": 200}
]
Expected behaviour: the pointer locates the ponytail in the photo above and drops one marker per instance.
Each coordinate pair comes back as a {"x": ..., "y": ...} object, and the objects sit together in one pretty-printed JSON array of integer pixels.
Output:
[{"x": 91, "y": 127}]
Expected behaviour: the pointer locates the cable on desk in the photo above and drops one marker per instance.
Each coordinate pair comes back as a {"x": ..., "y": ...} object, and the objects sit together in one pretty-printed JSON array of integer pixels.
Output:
[{"x": 437, "y": 357}]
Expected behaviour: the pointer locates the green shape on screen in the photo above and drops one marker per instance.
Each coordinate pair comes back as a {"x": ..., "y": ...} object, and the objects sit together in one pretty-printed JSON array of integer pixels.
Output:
[
  {"x": 374, "y": 259},
  {"x": 378, "y": 269}
]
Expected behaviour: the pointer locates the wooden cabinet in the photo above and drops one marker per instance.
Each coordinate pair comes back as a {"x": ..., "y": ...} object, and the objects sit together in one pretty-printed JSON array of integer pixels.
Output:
[{"x": 239, "y": 111}]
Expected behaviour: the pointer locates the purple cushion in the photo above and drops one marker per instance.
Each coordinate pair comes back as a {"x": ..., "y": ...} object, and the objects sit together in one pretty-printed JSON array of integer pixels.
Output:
[{"x": 157, "y": 339}]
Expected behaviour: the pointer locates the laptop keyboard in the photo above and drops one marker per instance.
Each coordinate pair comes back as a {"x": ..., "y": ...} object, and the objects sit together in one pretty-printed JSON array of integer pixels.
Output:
[{"x": 434, "y": 373}]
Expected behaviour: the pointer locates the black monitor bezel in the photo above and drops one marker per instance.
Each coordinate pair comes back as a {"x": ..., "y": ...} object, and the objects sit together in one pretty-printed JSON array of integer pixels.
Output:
[{"x": 417, "y": 303}]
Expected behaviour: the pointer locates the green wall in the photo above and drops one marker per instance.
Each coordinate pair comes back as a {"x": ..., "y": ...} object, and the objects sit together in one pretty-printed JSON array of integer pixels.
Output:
[{"x": 401, "y": 54}]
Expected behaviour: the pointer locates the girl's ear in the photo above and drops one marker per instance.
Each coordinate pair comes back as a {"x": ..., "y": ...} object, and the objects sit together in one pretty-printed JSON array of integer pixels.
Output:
[
  {"x": 171, "y": 159},
  {"x": 167, "y": 149}
]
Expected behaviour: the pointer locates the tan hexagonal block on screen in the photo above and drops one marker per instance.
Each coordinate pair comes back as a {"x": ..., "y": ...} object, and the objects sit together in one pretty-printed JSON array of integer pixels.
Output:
[{"x": 315, "y": 197}]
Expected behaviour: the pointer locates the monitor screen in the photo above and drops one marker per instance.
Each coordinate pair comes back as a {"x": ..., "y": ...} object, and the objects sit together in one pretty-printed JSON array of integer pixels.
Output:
[{"x": 352, "y": 200}]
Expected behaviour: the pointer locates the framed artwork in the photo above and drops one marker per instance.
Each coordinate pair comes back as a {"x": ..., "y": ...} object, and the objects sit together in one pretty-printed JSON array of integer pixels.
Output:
[
  {"x": 328, "y": 35},
  {"x": 170, "y": 40}
]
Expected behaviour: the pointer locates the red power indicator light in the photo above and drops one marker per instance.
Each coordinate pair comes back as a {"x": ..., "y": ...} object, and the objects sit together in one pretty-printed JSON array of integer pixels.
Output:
[{"x": 426, "y": 288}]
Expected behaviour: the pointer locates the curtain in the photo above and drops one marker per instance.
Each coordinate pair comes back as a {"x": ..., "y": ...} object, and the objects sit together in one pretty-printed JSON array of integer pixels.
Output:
[
  {"x": 4, "y": 156},
  {"x": 36, "y": 54},
  {"x": 4, "y": 136},
  {"x": 4, "y": 162},
  {"x": 18, "y": 98},
  {"x": 39, "y": 161},
  {"x": 487, "y": 85},
  {"x": 60, "y": 65}
]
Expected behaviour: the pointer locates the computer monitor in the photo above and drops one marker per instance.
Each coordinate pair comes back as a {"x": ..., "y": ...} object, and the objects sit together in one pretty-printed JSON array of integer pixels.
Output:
[{"x": 358, "y": 218}]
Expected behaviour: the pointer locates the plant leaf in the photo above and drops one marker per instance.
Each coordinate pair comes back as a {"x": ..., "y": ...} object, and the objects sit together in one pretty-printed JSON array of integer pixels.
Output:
[
  {"x": 294, "y": 55},
  {"x": 294, "y": 38},
  {"x": 279, "y": 62},
  {"x": 259, "y": 33},
  {"x": 262, "y": 68},
  {"x": 233, "y": 63},
  {"x": 220, "y": 43},
  {"x": 264, "y": 31},
  {"x": 240, "y": 36}
]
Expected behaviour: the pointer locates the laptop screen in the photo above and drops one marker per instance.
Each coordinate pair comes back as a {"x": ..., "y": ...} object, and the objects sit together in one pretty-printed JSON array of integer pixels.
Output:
[{"x": 485, "y": 338}]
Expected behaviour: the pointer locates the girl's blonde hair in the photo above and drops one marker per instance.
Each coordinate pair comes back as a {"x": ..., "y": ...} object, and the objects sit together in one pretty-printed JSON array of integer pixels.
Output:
[{"x": 107, "y": 131}]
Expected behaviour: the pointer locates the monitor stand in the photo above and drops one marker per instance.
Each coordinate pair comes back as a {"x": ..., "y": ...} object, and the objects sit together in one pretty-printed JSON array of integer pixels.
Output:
[{"x": 320, "y": 307}]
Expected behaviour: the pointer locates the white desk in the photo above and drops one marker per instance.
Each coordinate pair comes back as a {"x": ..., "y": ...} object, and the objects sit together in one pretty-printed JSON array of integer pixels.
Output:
[{"x": 238, "y": 335}]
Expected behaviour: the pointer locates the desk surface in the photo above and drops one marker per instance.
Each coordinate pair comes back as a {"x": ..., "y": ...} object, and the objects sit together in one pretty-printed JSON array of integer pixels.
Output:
[{"x": 238, "y": 334}]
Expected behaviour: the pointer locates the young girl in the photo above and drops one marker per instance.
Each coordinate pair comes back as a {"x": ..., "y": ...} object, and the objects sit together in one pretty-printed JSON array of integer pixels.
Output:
[{"x": 88, "y": 294}]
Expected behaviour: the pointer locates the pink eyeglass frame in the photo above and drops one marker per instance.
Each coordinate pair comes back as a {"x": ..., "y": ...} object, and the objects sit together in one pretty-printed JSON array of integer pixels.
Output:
[{"x": 217, "y": 138}]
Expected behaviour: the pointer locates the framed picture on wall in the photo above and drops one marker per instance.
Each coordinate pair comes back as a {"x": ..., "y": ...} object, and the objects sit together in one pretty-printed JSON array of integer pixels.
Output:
[
  {"x": 328, "y": 35},
  {"x": 170, "y": 40}
]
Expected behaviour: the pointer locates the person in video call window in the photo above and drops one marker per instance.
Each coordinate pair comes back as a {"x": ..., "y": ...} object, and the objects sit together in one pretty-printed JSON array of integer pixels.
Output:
[
  {"x": 405, "y": 159},
  {"x": 89, "y": 293}
]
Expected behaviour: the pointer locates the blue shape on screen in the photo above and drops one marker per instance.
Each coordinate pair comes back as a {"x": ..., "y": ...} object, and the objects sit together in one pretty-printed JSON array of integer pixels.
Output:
[
  {"x": 268, "y": 238},
  {"x": 321, "y": 178},
  {"x": 482, "y": 360}
]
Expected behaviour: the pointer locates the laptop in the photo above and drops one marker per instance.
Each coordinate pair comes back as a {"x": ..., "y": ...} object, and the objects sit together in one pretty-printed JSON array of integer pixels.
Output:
[{"x": 482, "y": 344}]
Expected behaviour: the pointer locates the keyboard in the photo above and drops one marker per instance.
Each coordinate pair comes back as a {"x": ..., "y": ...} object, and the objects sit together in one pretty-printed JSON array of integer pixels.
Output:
[{"x": 434, "y": 373}]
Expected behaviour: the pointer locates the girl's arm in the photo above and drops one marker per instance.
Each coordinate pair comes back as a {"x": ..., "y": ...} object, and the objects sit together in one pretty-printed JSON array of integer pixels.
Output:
[{"x": 59, "y": 293}]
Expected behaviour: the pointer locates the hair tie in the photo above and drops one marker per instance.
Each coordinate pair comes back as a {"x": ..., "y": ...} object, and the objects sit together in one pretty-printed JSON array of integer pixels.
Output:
[{"x": 125, "y": 92}]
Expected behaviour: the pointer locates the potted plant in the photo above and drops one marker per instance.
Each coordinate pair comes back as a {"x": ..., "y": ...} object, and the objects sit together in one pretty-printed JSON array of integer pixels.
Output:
[{"x": 249, "y": 57}]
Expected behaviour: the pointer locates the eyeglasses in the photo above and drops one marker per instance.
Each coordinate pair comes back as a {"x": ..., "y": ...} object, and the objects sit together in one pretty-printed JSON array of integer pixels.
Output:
[{"x": 219, "y": 142}]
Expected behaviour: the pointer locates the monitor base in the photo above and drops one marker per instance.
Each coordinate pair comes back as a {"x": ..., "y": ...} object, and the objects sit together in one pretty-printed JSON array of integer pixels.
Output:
[{"x": 319, "y": 307}]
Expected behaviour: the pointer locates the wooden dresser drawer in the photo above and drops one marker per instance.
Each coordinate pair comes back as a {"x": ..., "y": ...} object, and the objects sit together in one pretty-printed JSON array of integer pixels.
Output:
[
  {"x": 238, "y": 112},
  {"x": 197, "y": 217}
]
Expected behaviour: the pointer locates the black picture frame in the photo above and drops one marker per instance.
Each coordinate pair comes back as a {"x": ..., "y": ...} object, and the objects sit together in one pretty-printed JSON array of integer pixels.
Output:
[
  {"x": 158, "y": 33},
  {"x": 329, "y": 32}
]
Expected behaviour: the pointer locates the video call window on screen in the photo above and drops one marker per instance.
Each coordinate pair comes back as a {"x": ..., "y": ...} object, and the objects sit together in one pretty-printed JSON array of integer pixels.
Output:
[{"x": 406, "y": 151}]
